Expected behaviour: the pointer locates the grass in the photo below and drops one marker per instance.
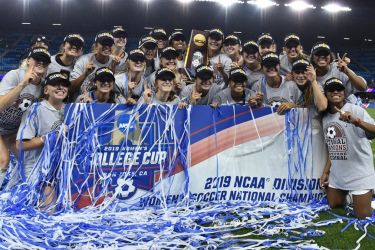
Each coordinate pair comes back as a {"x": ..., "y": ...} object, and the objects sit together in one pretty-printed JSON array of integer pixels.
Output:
[{"x": 334, "y": 239}]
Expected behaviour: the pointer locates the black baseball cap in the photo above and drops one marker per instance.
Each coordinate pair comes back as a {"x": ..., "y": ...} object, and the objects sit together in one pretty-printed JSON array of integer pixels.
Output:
[
  {"x": 39, "y": 38},
  {"x": 237, "y": 75},
  {"x": 40, "y": 54},
  {"x": 169, "y": 53},
  {"x": 300, "y": 64},
  {"x": 75, "y": 39},
  {"x": 333, "y": 84},
  {"x": 292, "y": 40},
  {"x": 104, "y": 38},
  {"x": 159, "y": 34},
  {"x": 216, "y": 34},
  {"x": 164, "y": 73},
  {"x": 321, "y": 47},
  {"x": 119, "y": 32},
  {"x": 103, "y": 74},
  {"x": 204, "y": 72},
  {"x": 250, "y": 47},
  {"x": 232, "y": 39},
  {"x": 137, "y": 55},
  {"x": 265, "y": 38},
  {"x": 148, "y": 42},
  {"x": 177, "y": 36},
  {"x": 56, "y": 79},
  {"x": 270, "y": 59}
]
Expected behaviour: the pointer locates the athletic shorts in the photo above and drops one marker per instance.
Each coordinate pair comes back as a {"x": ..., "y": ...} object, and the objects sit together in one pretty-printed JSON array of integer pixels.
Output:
[{"x": 353, "y": 192}]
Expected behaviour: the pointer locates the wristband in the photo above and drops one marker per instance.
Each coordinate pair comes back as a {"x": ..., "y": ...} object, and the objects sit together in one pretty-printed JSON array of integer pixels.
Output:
[{"x": 41, "y": 139}]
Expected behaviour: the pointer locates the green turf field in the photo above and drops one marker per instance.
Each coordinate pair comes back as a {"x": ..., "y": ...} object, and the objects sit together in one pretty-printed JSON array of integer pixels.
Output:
[{"x": 334, "y": 239}]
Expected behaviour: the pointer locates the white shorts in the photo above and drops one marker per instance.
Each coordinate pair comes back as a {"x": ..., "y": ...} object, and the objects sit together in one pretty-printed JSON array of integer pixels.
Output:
[{"x": 353, "y": 192}]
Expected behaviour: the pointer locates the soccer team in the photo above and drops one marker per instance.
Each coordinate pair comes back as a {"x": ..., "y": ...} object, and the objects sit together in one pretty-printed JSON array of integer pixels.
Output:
[{"x": 244, "y": 73}]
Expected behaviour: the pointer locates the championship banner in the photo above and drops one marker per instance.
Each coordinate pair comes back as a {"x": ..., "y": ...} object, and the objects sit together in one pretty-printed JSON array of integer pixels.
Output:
[{"x": 156, "y": 155}]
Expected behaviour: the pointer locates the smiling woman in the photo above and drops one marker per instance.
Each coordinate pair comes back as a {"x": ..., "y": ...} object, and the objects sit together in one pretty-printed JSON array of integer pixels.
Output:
[
  {"x": 326, "y": 68},
  {"x": 37, "y": 122},
  {"x": 350, "y": 167},
  {"x": 18, "y": 90},
  {"x": 83, "y": 72},
  {"x": 72, "y": 48},
  {"x": 164, "y": 89},
  {"x": 103, "y": 89}
]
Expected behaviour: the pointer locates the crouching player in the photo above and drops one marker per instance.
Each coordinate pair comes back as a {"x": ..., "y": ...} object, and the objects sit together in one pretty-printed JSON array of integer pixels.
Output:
[{"x": 350, "y": 167}]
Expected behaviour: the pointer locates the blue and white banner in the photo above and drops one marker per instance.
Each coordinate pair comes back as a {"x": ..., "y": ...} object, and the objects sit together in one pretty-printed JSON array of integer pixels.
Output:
[{"x": 161, "y": 155}]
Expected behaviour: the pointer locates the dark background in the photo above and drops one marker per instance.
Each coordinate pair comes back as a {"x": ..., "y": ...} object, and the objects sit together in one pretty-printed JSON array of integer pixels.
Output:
[{"x": 90, "y": 16}]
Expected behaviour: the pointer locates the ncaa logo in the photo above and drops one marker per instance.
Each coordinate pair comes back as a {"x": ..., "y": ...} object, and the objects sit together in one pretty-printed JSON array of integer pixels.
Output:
[{"x": 125, "y": 124}]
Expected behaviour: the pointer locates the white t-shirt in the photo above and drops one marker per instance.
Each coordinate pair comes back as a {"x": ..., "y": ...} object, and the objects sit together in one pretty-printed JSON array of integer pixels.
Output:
[
  {"x": 286, "y": 92},
  {"x": 37, "y": 121},
  {"x": 119, "y": 99},
  {"x": 56, "y": 66},
  {"x": 151, "y": 81},
  {"x": 121, "y": 66},
  {"x": 224, "y": 97},
  {"x": 121, "y": 81},
  {"x": 252, "y": 77},
  {"x": 187, "y": 91},
  {"x": 226, "y": 61},
  {"x": 80, "y": 66},
  {"x": 154, "y": 100},
  {"x": 285, "y": 65},
  {"x": 349, "y": 150}
]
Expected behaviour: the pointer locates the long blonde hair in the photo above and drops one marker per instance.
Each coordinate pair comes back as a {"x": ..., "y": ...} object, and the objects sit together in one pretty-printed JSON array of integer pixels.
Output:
[{"x": 308, "y": 96}]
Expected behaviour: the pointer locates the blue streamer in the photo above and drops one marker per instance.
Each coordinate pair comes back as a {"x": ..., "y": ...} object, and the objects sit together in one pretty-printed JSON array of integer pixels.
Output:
[{"x": 187, "y": 224}]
